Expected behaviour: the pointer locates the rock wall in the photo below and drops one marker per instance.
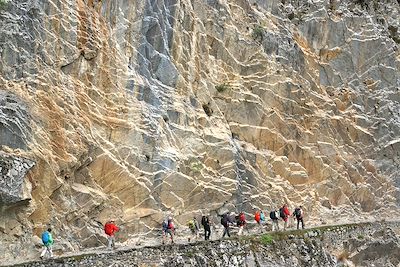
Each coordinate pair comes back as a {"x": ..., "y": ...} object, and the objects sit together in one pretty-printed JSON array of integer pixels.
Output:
[
  {"x": 12, "y": 179},
  {"x": 138, "y": 109}
]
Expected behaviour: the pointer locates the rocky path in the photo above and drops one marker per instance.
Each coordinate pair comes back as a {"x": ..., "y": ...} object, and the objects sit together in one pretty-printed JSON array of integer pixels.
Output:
[{"x": 350, "y": 244}]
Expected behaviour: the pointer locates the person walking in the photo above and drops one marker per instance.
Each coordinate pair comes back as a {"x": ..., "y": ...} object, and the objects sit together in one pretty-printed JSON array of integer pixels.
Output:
[
  {"x": 262, "y": 217},
  {"x": 259, "y": 218},
  {"x": 299, "y": 214},
  {"x": 164, "y": 227},
  {"x": 110, "y": 228},
  {"x": 48, "y": 241},
  {"x": 197, "y": 227},
  {"x": 241, "y": 223},
  {"x": 225, "y": 221},
  {"x": 274, "y": 216},
  {"x": 193, "y": 225},
  {"x": 171, "y": 229},
  {"x": 205, "y": 221},
  {"x": 284, "y": 214}
]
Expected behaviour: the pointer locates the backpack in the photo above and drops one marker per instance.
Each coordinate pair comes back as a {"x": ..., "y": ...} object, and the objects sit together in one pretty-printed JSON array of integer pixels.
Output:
[
  {"x": 170, "y": 225},
  {"x": 165, "y": 225},
  {"x": 45, "y": 237},
  {"x": 262, "y": 217},
  {"x": 297, "y": 212},
  {"x": 224, "y": 220},
  {"x": 191, "y": 225},
  {"x": 272, "y": 215},
  {"x": 242, "y": 219},
  {"x": 257, "y": 216},
  {"x": 281, "y": 213}
]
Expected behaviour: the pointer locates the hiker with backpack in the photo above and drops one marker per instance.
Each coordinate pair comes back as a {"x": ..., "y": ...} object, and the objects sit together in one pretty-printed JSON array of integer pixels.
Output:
[
  {"x": 274, "y": 215},
  {"x": 170, "y": 229},
  {"x": 259, "y": 218},
  {"x": 164, "y": 227},
  {"x": 262, "y": 217},
  {"x": 241, "y": 223},
  {"x": 284, "y": 213},
  {"x": 205, "y": 221},
  {"x": 194, "y": 228},
  {"x": 110, "y": 228},
  {"x": 225, "y": 221},
  {"x": 299, "y": 214},
  {"x": 48, "y": 241}
]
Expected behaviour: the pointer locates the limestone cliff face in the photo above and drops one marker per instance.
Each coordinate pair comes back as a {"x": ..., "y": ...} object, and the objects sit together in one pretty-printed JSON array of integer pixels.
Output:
[{"x": 135, "y": 109}]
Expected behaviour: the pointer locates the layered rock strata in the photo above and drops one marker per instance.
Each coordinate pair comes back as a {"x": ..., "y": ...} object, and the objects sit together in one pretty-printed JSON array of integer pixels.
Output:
[{"x": 138, "y": 109}]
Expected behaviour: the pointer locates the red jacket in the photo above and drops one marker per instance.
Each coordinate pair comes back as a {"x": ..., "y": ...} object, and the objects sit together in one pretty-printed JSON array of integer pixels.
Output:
[
  {"x": 110, "y": 229},
  {"x": 286, "y": 211}
]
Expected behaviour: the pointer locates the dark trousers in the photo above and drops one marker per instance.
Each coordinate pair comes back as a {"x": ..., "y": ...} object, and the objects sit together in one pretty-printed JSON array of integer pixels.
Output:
[
  {"x": 298, "y": 223},
  {"x": 207, "y": 232},
  {"x": 226, "y": 231}
]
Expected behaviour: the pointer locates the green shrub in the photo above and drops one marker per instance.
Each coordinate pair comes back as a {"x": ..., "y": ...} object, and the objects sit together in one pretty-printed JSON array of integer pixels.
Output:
[
  {"x": 266, "y": 239},
  {"x": 3, "y": 4},
  {"x": 258, "y": 33},
  {"x": 222, "y": 87},
  {"x": 196, "y": 166}
]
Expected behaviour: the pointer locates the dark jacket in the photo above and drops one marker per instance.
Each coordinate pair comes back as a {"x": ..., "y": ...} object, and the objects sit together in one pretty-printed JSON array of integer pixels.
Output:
[{"x": 205, "y": 221}]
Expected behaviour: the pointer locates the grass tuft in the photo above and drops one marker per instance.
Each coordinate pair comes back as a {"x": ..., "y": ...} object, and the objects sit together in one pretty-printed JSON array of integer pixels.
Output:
[
  {"x": 266, "y": 239},
  {"x": 222, "y": 87}
]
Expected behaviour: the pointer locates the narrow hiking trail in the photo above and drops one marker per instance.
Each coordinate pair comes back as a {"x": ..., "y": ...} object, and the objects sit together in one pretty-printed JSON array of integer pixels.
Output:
[{"x": 96, "y": 256}]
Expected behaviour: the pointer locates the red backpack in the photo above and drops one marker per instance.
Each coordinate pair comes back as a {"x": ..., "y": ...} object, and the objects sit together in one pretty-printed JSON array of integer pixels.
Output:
[
  {"x": 242, "y": 217},
  {"x": 257, "y": 216}
]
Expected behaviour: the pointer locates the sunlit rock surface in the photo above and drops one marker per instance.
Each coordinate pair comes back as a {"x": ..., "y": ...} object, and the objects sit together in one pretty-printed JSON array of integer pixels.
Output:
[{"x": 138, "y": 109}]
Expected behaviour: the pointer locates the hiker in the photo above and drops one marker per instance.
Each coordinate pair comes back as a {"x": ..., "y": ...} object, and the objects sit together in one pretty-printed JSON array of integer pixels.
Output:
[
  {"x": 205, "y": 221},
  {"x": 298, "y": 213},
  {"x": 194, "y": 228},
  {"x": 110, "y": 229},
  {"x": 274, "y": 215},
  {"x": 170, "y": 229},
  {"x": 164, "y": 226},
  {"x": 225, "y": 221},
  {"x": 284, "y": 213},
  {"x": 48, "y": 241},
  {"x": 262, "y": 217},
  {"x": 259, "y": 218},
  {"x": 241, "y": 223}
]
